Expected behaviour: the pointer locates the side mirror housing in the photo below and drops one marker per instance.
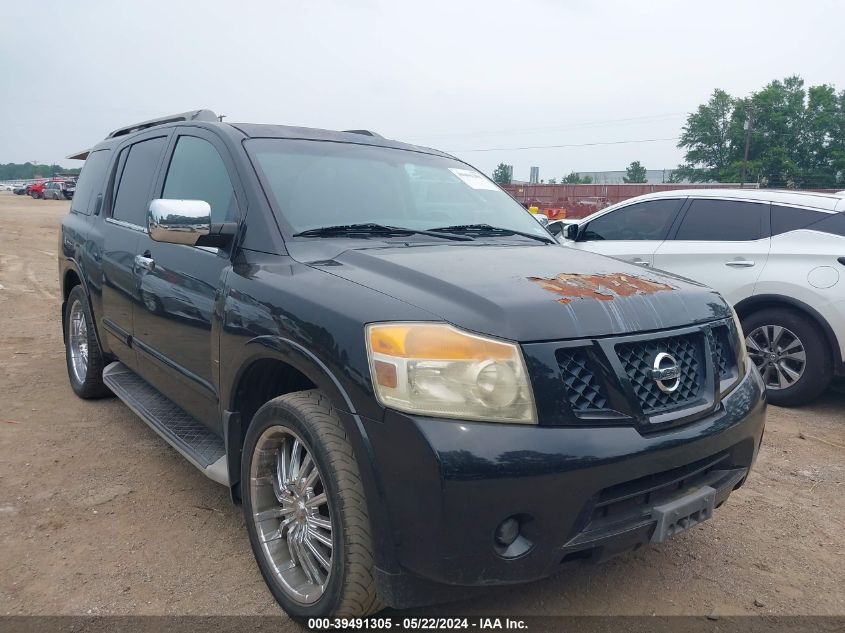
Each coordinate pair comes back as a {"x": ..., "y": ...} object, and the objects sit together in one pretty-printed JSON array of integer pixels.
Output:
[
  {"x": 541, "y": 218},
  {"x": 571, "y": 232},
  {"x": 186, "y": 222}
]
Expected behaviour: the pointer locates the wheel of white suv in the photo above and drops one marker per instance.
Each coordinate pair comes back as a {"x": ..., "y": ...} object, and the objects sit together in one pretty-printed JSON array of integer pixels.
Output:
[
  {"x": 305, "y": 510},
  {"x": 82, "y": 352},
  {"x": 791, "y": 354}
]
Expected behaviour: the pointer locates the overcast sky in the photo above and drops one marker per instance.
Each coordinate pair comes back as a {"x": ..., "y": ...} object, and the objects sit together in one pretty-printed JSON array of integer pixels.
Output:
[{"x": 459, "y": 76}]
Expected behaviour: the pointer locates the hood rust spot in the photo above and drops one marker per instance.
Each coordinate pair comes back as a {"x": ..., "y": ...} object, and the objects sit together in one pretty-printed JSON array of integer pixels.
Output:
[{"x": 602, "y": 286}]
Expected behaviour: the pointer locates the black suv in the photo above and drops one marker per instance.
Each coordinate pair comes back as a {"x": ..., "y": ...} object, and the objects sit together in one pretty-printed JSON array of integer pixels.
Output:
[{"x": 412, "y": 389}]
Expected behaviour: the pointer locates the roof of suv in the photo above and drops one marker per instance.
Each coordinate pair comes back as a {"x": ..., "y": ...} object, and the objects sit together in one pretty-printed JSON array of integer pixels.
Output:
[
  {"x": 207, "y": 118},
  {"x": 826, "y": 201},
  {"x": 362, "y": 137}
]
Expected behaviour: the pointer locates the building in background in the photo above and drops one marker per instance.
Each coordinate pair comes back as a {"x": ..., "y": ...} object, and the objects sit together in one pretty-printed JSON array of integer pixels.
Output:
[
  {"x": 534, "y": 178},
  {"x": 654, "y": 176}
]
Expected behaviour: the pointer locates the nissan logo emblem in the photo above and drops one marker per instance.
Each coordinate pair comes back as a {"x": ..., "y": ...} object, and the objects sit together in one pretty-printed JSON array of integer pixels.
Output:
[{"x": 666, "y": 372}]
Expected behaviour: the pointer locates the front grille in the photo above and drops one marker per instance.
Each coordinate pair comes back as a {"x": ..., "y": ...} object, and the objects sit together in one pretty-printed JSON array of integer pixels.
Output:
[
  {"x": 638, "y": 358},
  {"x": 724, "y": 357},
  {"x": 583, "y": 390}
]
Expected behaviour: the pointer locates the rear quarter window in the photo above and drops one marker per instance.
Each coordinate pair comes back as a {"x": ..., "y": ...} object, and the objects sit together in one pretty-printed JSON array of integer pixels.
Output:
[
  {"x": 90, "y": 181},
  {"x": 785, "y": 219}
]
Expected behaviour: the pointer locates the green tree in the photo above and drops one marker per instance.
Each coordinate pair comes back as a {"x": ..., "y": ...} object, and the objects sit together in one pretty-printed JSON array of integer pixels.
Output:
[
  {"x": 503, "y": 174},
  {"x": 552, "y": 181},
  {"x": 574, "y": 179},
  {"x": 635, "y": 173},
  {"x": 795, "y": 137},
  {"x": 707, "y": 139},
  {"x": 25, "y": 171}
]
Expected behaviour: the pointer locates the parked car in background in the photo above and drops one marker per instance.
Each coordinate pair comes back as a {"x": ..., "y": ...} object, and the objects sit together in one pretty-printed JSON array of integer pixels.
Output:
[
  {"x": 21, "y": 190},
  {"x": 36, "y": 190},
  {"x": 58, "y": 190},
  {"x": 778, "y": 257}
]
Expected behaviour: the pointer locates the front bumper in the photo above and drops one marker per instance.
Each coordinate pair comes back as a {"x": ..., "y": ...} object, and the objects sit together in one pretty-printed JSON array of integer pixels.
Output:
[{"x": 445, "y": 486}]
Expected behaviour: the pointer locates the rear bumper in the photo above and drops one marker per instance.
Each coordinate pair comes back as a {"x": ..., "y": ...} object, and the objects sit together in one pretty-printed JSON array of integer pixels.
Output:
[{"x": 580, "y": 493}]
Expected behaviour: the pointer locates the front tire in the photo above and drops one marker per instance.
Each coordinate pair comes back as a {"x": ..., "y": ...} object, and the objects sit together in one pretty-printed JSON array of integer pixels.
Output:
[
  {"x": 791, "y": 354},
  {"x": 82, "y": 351},
  {"x": 305, "y": 509}
]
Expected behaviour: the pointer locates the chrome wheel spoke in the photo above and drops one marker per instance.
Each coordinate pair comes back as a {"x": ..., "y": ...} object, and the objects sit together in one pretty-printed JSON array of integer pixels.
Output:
[
  {"x": 316, "y": 501},
  {"x": 320, "y": 538},
  {"x": 308, "y": 554},
  {"x": 273, "y": 513},
  {"x": 320, "y": 522},
  {"x": 316, "y": 552},
  {"x": 295, "y": 453},
  {"x": 311, "y": 479}
]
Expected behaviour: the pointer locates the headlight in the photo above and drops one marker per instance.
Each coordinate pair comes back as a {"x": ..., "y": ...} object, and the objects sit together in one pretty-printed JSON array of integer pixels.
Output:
[
  {"x": 436, "y": 369},
  {"x": 742, "y": 352}
]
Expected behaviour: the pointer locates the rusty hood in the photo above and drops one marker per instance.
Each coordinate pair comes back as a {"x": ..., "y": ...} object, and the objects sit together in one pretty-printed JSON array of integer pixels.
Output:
[{"x": 528, "y": 293}]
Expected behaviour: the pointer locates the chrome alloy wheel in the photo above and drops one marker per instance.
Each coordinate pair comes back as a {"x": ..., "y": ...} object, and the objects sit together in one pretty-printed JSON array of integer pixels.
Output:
[
  {"x": 779, "y": 355},
  {"x": 291, "y": 514},
  {"x": 78, "y": 341}
]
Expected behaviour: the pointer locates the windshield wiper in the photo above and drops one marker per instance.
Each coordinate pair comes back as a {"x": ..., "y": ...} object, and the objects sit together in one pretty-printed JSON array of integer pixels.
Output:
[
  {"x": 486, "y": 229},
  {"x": 378, "y": 229}
]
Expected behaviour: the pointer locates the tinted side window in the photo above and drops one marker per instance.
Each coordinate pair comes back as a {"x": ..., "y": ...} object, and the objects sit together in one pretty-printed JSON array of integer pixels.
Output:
[
  {"x": 722, "y": 221},
  {"x": 786, "y": 219},
  {"x": 133, "y": 189},
  {"x": 649, "y": 220},
  {"x": 197, "y": 172},
  {"x": 90, "y": 180},
  {"x": 833, "y": 224}
]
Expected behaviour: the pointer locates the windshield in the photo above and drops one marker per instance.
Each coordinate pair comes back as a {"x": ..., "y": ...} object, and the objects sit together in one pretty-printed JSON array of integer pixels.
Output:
[{"x": 318, "y": 184}]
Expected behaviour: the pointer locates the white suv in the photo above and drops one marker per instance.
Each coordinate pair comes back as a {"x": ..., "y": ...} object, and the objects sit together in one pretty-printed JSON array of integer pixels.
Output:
[{"x": 777, "y": 256}]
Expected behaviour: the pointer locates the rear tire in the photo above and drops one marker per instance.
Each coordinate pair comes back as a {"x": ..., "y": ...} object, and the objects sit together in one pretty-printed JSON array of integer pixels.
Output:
[
  {"x": 82, "y": 351},
  {"x": 316, "y": 556},
  {"x": 777, "y": 340}
]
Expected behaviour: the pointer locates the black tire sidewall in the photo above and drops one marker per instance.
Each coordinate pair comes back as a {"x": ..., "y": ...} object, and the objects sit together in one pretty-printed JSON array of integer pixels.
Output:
[
  {"x": 275, "y": 413},
  {"x": 818, "y": 371}
]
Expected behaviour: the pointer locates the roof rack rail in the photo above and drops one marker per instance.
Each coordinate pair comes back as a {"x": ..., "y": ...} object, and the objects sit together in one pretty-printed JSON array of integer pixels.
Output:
[
  {"x": 364, "y": 132},
  {"x": 192, "y": 115}
]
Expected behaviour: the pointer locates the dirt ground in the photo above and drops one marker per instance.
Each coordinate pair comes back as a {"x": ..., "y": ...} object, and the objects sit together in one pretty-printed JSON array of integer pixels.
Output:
[{"x": 99, "y": 516}]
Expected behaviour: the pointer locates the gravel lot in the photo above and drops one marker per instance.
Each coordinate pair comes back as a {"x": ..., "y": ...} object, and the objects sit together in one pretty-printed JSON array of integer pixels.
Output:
[{"x": 98, "y": 515}]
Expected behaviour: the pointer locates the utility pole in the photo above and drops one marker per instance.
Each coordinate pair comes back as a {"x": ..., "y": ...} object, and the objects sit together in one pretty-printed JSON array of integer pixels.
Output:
[{"x": 747, "y": 127}]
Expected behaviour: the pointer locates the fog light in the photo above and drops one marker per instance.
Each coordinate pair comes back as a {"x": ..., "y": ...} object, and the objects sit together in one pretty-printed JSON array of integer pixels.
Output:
[{"x": 507, "y": 531}]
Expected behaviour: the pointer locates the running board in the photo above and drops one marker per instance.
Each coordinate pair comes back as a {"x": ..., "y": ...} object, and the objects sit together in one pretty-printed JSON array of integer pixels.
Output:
[{"x": 195, "y": 441}]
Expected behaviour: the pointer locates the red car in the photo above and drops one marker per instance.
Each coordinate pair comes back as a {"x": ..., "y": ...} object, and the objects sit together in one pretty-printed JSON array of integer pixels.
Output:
[{"x": 36, "y": 190}]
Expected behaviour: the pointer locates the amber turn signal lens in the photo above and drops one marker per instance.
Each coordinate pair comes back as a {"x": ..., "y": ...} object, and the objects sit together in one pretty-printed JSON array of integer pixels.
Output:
[
  {"x": 385, "y": 374},
  {"x": 436, "y": 341}
]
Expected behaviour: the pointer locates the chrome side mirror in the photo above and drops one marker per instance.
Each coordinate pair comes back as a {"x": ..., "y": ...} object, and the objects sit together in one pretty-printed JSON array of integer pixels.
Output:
[
  {"x": 186, "y": 222},
  {"x": 179, "y": 221}
]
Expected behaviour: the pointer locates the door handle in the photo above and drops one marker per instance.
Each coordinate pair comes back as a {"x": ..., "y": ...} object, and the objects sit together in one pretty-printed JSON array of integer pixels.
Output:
[
  {"x": 144, "y": 263},
  {"x": 640, "y": 262},
  {"x": 740, "y": 263}
]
